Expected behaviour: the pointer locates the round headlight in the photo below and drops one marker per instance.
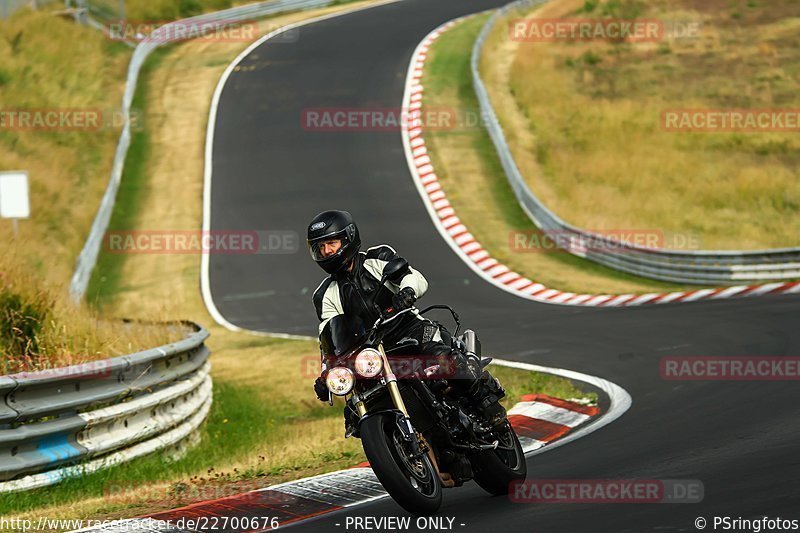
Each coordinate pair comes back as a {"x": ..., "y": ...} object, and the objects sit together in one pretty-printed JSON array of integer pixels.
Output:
[
  {"x": 340, "y": 380},
  {"x": 369, "y": 363}
]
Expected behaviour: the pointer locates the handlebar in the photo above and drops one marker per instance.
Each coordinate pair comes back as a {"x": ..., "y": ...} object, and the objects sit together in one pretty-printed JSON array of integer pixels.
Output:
[
  {"x": 448, "y": 308},
  {"x": 384, "y": 320}
]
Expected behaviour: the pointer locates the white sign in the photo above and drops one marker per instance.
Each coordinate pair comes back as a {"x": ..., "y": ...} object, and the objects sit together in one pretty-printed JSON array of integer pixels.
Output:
[{"x": 14, "y": 201}]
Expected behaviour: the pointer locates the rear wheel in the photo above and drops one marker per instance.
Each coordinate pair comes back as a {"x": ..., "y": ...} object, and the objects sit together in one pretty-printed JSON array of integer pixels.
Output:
[
  {"x": 412, "y": 482},
  {"x": 496, "y": 470}
]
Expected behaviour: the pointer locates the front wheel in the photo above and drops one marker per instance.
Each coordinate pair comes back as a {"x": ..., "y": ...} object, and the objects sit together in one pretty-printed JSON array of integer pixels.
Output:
[
  {"x": 412, "y": 482},
  {"x": 496, "y": 470}
]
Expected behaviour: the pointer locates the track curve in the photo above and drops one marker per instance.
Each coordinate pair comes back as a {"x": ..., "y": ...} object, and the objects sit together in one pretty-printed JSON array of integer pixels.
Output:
[{"x": 268, "y": 173}]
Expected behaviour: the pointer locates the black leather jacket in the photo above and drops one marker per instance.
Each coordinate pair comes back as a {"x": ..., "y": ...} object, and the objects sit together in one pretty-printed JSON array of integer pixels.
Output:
[{"x": 350, "y": 292}]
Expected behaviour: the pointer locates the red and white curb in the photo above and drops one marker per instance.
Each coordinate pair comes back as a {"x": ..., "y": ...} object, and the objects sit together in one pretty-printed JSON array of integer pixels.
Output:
[
  {"x": 539, "y": 420},
  {"x": 542, "y": 423},
  {"x": 478, "y": 258}
]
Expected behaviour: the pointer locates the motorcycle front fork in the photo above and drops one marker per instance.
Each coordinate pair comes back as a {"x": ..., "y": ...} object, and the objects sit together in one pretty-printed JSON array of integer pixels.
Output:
[
  {"x": 391, "y": 383},
  {"x": 397, "y": 399}
]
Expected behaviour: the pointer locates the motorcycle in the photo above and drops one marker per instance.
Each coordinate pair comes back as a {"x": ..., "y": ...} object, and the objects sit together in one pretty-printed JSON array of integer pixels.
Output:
[{"x": 418, "y": 438}]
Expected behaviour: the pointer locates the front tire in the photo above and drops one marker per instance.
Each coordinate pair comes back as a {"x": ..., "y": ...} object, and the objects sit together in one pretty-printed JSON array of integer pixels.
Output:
[
  {"x": 413, "y": 484},
  {"x": 496, "y": 470}
]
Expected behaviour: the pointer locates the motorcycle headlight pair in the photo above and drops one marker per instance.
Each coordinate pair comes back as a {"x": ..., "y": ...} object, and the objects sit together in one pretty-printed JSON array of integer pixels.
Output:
[{"x": 368, "y": 364}]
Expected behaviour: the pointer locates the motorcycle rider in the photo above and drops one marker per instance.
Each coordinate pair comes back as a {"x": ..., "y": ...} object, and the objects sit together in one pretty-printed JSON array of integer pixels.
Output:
[{"x": 354, "y": 275}]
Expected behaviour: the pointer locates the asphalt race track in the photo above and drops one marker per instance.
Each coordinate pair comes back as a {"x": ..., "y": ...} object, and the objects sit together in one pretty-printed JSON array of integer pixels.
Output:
[{"x": 269, "y": 173}]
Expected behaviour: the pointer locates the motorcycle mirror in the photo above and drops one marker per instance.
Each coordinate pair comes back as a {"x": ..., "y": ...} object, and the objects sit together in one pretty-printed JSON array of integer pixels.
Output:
[{"x": 395, "y": 269}]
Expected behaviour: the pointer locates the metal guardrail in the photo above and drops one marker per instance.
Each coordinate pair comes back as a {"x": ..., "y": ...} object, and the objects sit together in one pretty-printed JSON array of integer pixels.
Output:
[
  {"x": 160, "y": 37},
  {"x": 698, "y": 267},
  {"x": 73, "y": 420}
]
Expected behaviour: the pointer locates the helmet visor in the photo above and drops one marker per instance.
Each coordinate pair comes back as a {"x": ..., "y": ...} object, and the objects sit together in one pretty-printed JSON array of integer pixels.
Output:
[{"x": 328, "y": 246}]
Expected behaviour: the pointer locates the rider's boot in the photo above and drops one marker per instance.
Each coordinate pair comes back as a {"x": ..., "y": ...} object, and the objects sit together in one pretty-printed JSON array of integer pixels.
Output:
[{"x": 483, "y": 391}]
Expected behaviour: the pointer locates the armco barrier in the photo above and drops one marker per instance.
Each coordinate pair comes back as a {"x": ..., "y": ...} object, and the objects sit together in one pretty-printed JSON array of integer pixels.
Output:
[
  {"x": 160, "y": 37},
  {"x": 699, "y": 267},
  {"x": 71, "y": 420}
]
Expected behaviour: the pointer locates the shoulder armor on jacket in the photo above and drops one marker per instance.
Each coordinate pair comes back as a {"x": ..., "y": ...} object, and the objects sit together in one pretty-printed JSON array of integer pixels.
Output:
[{"x": 384, "y": 252}]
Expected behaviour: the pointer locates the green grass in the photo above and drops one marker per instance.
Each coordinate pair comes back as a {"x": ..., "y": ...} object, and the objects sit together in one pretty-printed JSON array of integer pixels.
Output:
[
  {"x": 155, "y": 10},
  {"x": 165, "y": 10},
  {"x": 520, "y": 382}
]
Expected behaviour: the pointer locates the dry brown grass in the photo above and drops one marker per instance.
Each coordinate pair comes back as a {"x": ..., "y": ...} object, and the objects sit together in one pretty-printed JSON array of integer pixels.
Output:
[
  {"x": 467, "y": 167},
  {"x": 68, "y": 170},
  {"x": 40, "y": 329},
  {"x": 583, "y": 120}
]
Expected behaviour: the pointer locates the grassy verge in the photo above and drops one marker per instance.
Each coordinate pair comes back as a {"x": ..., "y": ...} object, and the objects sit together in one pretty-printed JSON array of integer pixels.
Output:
[
  {"x": 106, "y": 280},
  {"x": 244, "y": 443},
  {"x": 166, "y": 10},
  {"x": 40, "y": 330},
  {"x": 584, "y": 120},
  {"x": 157, "y": 10},
  {"x": 266, "y": 425},
  {"x": 470, "y": 173},
  {"x": 68, "y": 168},
  {"x": 68, "y": 171}
]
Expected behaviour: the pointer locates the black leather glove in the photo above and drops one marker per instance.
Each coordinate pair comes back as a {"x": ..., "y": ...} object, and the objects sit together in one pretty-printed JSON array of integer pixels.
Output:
[
  {"x": 321, "y": 389},
  {"x": 403, "y": 299}
]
